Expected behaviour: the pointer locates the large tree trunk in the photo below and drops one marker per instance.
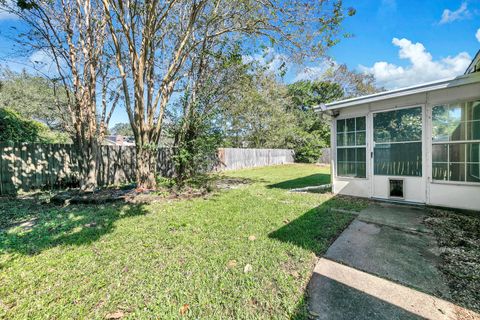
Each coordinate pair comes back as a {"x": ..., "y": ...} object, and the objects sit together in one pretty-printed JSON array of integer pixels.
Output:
[
  {"x": 87, "y": 153},
  {"x": 146, "y": 163}
]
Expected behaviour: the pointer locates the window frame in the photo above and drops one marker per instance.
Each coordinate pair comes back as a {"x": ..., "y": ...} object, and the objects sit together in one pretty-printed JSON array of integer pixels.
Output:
[
  {"x": 365, "y": 145},
  {"x": 451, "y": 142}
]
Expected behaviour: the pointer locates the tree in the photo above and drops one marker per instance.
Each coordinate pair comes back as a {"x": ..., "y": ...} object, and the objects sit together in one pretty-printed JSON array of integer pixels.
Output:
[
  {"x": 32, "y": 96},
  {"x": 72, "y": 34},
  {"x": 257, "y": 116},
  {"x": 313, "y": 128},
  {"x": 122, "y": 129},
  {"x": 214, "y": 75},
  {"x": 308, "y": 94},
  {"x": 154, "y": 41},
  {"x": 352, "y": 82}
]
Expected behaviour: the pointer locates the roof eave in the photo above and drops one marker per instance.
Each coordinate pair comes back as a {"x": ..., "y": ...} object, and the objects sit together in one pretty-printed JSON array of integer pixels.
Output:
[
  {"x": 431, "y": 86},
  {"x": 472, "y": 67}
]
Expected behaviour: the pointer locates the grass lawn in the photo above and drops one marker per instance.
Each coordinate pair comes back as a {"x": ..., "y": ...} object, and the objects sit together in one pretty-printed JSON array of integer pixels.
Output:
[{"x": 171, "y": 259}]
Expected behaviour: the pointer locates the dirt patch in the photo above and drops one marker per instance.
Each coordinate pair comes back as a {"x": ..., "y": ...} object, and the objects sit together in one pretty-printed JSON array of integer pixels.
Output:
[
  {"x": 458, "y": 236},
  {"x": 224, "y": 182},
  {"x": 167, "y": 194},
  {"x": 131, "y": 195}
]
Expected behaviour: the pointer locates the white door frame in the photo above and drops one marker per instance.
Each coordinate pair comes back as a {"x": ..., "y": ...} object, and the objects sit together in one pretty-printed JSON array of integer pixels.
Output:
[{"x": 423, "y": 178}]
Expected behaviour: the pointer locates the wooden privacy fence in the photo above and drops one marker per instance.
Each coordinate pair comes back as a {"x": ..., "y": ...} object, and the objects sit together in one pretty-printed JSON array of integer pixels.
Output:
[
  {"x": 236, "y": 158},
  {"x": 326, "y": 156},
  {"x": 39, "y": 166}
]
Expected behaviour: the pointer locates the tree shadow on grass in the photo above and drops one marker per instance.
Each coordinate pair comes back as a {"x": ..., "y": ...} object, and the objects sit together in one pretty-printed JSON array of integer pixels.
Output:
[
  {"x": 315, "y": 231},
  {"x": 307, "y": 181},
  {"x": 28, "y": 228}
]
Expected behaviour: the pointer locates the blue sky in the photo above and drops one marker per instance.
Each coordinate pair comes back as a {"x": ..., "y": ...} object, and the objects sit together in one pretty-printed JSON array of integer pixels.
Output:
[
  {"x": 378, "y": 22},
  {"x": 444, "y": 29},
  {"x": 402, "y": 42}
]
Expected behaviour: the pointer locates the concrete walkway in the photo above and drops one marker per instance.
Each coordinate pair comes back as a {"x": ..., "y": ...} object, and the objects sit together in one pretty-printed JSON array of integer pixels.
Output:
[{"x": 383, "y": 266}]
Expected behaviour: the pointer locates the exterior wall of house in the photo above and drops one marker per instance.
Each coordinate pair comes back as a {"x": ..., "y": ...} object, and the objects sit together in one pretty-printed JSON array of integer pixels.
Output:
[{"x": 417, "y": 189}]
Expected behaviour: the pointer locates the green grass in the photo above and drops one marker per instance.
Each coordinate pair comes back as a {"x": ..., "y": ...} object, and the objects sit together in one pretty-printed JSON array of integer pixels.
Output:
[{"x": 148, "y": 261}]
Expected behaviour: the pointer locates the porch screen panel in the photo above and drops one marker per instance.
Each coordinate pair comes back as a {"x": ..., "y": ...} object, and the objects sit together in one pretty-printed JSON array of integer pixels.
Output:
[
  {"x": 398, "y": 142},
  {"x": 456, "y": 142},
  {"x": 351, "y": 147}
]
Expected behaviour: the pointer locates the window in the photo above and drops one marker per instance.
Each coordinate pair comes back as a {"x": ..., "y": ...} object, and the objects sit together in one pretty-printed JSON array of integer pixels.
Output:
[
  {"x": 398, "y": 142},
  {"x": 456, "y": 142},
  {"x": 351, "y": 147}
]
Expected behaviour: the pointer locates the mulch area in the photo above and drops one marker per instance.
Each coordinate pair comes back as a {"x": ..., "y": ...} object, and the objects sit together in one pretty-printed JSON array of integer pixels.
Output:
[
  {"x": 458, "y": 236},
  {"x": 113, "y": 195},
  {"x": 133, "y": 195}
]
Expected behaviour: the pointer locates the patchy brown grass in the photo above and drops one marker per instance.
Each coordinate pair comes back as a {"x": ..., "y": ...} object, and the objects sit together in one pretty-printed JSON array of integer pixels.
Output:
[{"x": 458, "y": 236}]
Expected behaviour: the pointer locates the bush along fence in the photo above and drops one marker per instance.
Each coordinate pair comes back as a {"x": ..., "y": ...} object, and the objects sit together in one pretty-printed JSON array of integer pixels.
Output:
[{"x": 53, "y": 166}]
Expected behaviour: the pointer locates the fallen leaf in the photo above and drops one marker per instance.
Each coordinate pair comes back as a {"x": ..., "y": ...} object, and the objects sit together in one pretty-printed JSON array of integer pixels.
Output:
[
  {"x": 313, "y": 314},
  {"x": 231, "y": 264},
  {"x": 184, "y": 309},
  {"x": 125, "y": 308},
  {"x": 115, "y": 315},
  {"x": 252, "y": 238},
  {"x": 100, "y": 304},
  {"x": 91, "y": 224},
  {"x": 248, "y": 268}
]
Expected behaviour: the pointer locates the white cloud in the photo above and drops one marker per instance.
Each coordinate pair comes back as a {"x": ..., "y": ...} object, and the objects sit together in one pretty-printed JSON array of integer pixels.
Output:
[
  {"x": 5, "y": 15},
  {"x": 449, "y": 16},
  {"x": 422, "y": 67},
  {"x": 477, "y": 35},
  {"x": 269, "y": 58},
  {"x": 314, "y": 72},
  {"x": 43, "y": 62}
]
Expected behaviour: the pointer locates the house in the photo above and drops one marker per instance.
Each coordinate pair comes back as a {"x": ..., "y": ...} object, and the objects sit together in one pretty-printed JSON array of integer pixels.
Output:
[
  {"x": 118, "y": 140},
  {"x": 419, "y": 144}
]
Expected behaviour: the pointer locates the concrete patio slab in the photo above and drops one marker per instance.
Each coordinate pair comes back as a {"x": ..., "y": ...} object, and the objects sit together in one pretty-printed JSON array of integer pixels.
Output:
[
  {"x": 403, "y": 217},
  {"x": 383, "y": 266},
  {"x": 405, "y": 257},
  {"x": 342, "y": 292}
]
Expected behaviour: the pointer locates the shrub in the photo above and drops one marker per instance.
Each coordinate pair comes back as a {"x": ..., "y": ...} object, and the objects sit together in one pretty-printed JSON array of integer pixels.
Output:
[
  {"x": 308, "y": 147},
  {"x": 163, "y": 182},
  {"x": 15, "y": 128}
]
